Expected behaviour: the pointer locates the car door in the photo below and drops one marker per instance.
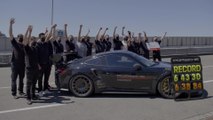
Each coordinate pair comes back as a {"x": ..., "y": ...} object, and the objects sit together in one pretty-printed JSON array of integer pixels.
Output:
[
  {"x": 124, "y": 75},
  {"x": 100, "y": 71}
]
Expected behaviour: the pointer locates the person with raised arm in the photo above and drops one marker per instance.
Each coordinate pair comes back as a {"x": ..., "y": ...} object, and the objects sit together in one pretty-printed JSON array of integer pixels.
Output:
[
  {"x": 130, "y": 43},
  {"x": 141, "y": 46},
  {"x": 116, "y": 40},
  {"x": 31, "y": 58},
  {"x": 70, "y": 44},
  {"x": 156, "y": 53},
  {"x": 136, "y": 44},
  {"x": 143, "y": 43},
  {"x": 98, "y": 46},
  {"x": 125, "y": 39},
  {"x": 88, "y": 44},
  {"x": 45, "y": 52},
  {"x": 59, "y": 49},
  {"x": 105, "y": 41},
  {"x": 58, "y": 46},
  {"x": 69, "y": 41},
  {"x": 81, "y": 48},
  {"x": 17, "y": 62}
]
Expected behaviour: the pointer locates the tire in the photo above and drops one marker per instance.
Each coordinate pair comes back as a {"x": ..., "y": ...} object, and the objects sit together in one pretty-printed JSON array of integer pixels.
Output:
[
  {"x": 166, "y": 88},
  {"x": 81, "y": 86}
]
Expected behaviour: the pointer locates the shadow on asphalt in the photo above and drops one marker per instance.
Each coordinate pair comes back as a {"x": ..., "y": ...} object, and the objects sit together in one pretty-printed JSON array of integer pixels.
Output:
[
  {"x": 55, "y": 97},
  {"x": 64, "y": 96},
  {"x": 60, "y": 97},
  {"x": 125, "y": 95}
]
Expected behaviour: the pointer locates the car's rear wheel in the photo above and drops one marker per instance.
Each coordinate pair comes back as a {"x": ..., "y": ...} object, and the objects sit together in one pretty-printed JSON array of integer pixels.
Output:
[
  {"x": 81, "y": 86},
  {"x": 165, "y": 87}
]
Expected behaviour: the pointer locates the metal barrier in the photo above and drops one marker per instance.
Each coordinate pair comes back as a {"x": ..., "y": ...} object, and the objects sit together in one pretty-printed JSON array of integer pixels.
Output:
[
  {"x": 187, "y": 41},
  {"x": 170, "y": 46}
]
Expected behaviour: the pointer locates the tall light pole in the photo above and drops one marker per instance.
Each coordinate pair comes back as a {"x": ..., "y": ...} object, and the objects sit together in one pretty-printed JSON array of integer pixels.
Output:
[{"x": 52, "y": 12}]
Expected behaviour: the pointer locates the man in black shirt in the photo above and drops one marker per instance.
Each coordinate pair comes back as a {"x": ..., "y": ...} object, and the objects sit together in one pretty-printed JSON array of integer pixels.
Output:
[
  {"x": 156, "y": 53},
  {"x": 31, "y": 59},
  {"x": 98, "y": 46},
  {"x": 144, "y": 46},
  {"x": 70, "y": 46},
  {"x": 117, "y": 43},
  {"x": 45, "y": 52},
  {"x": 17, "y": 62},
  {"x": 130, "y": 43},
  {"x": 59, "y": 49},
  {"x": 104, "y": 41},
  {"x": 88, "y": 44},
  {"x": 141, "y": 47},
  {"x": 107, "y": 42}
]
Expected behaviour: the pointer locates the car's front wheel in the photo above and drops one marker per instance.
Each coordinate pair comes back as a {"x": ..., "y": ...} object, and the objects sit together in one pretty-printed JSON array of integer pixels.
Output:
[
  {"x": 165, "y": 87},
  {"x": 81, "y": 86}
]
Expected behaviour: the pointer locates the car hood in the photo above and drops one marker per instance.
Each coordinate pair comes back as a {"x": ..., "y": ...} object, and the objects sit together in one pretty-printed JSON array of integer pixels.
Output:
[{"x": 164, "y": 65}]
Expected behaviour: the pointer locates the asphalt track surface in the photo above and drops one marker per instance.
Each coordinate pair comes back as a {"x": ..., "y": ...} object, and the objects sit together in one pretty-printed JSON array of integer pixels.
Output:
[{"x": 64, "y": 106}]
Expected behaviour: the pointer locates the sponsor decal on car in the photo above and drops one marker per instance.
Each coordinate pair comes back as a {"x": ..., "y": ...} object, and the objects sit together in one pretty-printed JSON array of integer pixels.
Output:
[{"x": 129, "y": 78}]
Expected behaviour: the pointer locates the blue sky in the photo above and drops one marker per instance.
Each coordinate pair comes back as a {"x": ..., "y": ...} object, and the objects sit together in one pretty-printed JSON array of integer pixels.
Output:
[{"x": 176, "y": 17}]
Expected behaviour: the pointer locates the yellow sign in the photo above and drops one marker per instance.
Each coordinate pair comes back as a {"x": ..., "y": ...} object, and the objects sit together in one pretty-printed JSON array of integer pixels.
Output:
[{"x": 187, "y": 75}]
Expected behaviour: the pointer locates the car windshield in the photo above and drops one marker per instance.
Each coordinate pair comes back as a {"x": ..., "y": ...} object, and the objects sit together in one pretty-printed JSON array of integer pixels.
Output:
[{"x": 143, "y": 60}]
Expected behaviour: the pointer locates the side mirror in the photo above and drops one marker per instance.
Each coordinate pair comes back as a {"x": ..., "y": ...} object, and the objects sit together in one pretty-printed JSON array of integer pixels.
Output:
[{"x": 137, "y": 67}]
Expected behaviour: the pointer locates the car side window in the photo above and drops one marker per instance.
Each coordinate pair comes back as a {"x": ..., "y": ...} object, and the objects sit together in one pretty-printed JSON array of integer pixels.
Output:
[
  {"x": 120, "y": 61},
  {"x": 97, "y": 61}
]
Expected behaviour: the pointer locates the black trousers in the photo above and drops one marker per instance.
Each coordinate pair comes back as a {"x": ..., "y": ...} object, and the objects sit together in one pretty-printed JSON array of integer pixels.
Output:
[
  {"x": 146, "y": 55},
  {"x": 32, "y": 75},
  {"x": 57, "y": 82},
  {"x": 156, "y": 55},
  {"x": 44, "y": 72},
  {"x": 17, "y": 71}
]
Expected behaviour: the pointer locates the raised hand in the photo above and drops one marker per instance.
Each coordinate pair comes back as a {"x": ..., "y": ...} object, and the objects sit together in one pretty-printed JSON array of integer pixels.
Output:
[
  {"x": 54, "y": 26},
  {"x": 46, "y": 31},
  {"x": 65, "y": 25},
  {"x": 12, "y": 20},
  {"x": 129, "y": 32},
  {"x": 30, "y": 28}
]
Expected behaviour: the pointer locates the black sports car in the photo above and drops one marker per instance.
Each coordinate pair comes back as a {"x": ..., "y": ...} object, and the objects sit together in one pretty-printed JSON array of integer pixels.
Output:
[{"x": 117, "y": 71}]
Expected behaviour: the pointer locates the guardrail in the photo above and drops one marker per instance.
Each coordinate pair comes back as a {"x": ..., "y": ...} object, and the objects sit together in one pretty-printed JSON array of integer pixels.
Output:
[{"x": 171, "y": 46}]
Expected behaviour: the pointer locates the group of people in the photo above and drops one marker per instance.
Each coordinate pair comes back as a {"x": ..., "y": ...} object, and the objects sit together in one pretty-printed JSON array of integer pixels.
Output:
[{"x": 32, "y": 56}]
